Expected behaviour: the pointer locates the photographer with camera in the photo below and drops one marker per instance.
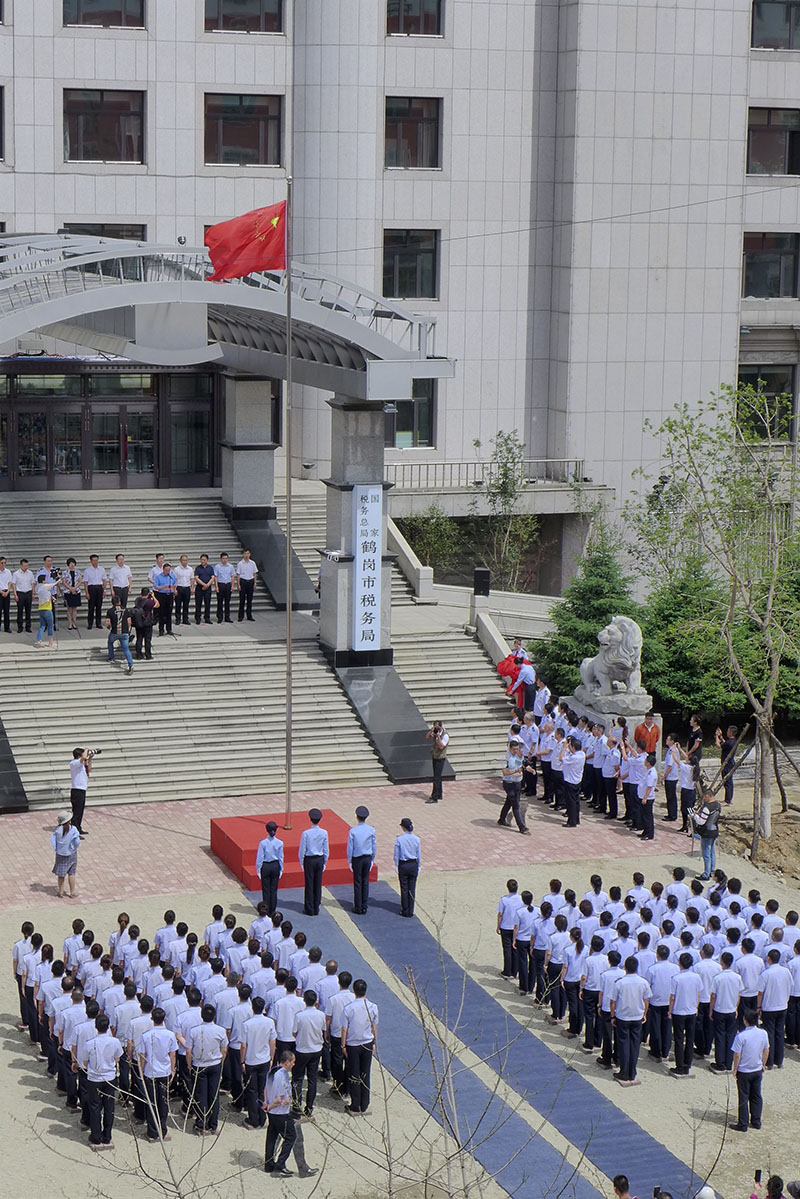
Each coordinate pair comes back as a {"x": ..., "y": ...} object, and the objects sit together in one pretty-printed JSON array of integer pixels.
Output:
[
  {"x": 79, "y": 769},
  {"x": 143, "y": 617},
  {"x": 439, "y": 739}
]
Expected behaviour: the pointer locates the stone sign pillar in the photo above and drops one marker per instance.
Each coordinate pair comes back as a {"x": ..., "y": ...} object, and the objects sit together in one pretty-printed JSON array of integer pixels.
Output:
[
  {"x": 355, "y": 573},
  {"x": 248, "y": 452}
]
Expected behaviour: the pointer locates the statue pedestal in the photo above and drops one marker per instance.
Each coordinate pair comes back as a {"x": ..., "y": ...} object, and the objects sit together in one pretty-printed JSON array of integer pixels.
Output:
[{"x": 603, "y": 710}]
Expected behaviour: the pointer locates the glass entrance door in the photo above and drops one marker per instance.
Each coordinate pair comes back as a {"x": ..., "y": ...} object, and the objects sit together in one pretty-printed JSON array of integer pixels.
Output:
[
  {"x": 122, "y": 444},
  {"x": 49, "y": 448}
]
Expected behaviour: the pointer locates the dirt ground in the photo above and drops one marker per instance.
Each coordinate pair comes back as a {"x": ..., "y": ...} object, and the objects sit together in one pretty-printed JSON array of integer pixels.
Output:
[{"x": 780, "y": 854}]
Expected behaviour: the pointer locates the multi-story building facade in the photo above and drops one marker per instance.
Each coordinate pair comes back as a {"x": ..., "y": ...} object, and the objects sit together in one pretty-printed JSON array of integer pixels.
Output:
[{"x": 597, "y": 201}]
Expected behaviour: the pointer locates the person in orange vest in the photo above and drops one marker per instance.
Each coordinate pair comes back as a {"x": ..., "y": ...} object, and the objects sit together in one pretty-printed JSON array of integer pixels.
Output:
[{"x": 648, "y": 732}]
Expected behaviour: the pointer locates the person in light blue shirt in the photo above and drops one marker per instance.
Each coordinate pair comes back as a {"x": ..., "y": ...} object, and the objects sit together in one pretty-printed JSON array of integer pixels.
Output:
[
  {"x": 313, "y": 854},
  {"x": 65, "y": 841},
  {"x": 361, "y": 849},
  {"x": 407, "y": 861},
  {"x": 164, "y": 586},
  {"x": 269, "y": 866},
  {"x": 281, "y": 1124},
  {"x": 224, "y": 575}
]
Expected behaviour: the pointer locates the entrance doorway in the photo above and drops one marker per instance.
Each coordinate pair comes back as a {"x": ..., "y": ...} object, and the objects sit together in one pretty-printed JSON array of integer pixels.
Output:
[{"x": 85, "y": 445}]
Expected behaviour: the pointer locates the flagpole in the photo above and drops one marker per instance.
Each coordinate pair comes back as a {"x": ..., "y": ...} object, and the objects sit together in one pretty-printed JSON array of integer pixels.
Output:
[{"x": 287, "y": 443}]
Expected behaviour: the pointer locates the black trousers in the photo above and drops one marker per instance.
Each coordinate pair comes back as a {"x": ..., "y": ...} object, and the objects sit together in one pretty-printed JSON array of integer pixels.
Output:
[
  {"x": 573, "y": 801},
  {"x": 547, "y": 780},
  {"x": 598, "y": 789},
  {"x": 648, "y": 827},
  {"x": 607, "y": 1038},
  {"x": 224, "y": 602},
  {"x": 703, "y": 1031},
  {"x": 629, "y": 1040},
  {"x": 671, "y": 792},
  {"x": 202, "y": 604},
  {"x": 512, "y": 789},
  {"x": 529, "y": 777},
  {"x": 24, "y": 605},
  {"x": 555, "y": 989},
  {"x": 182, "y": 597},
  {"x": 165, "y": 602},
  {"x": 529, "y": 696},
  {"x": 438, "y": 769},
  {"x": 793, "y": 1021},
  {"x": 660, "y": 1029},
  {"x": 33, "y": 1016},
  {"x": 255, "y": 1080},
  {"x": 775, "y": 1027},
  {"x": 523, "y": 952},
  {"x": 750, "y": 1101},
  {"x": 407, "y": 871},
  {"x": 574, "y": 1006},
  {"x": 306, "y": 1067},
  {"x": 77, "y": 799},
  {"x": 101, "y": 1111},
  {"x": 359, "y": 1067},
  {"x": 270, "y": 875},
  {"x": 591, "y": 1017},
  {"x": 687, "y": 803},
  {"x": 246, "y": 589},
  {"x": 361, "y": 866},
  {"x": 279, "y": 1128},
  {"x": 338, "y": 1068},
  {"x": 5, "y": 611},
  {"x": 122, "y": 592},
  {"x": 747, "y": 1003},
  {"x": 313, "y": 865},
  {"x": 95, "y": 612},
  {"x": 683, "y": 1036},
  {"x": 144, "y": 641},
  {"x": 157, "y": 1106},
  {"x": 558, "y": 789},
  {"x": 538, "y": 978},
  {"x": 611, "y": 796},
  {"x": 724, "y": 1032},
  {"x": 509, "y": 953},
  {"x": 205, "y": 1083}
]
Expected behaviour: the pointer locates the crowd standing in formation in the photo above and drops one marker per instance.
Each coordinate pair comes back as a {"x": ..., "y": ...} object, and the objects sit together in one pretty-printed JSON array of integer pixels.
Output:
[
  {"x": 164, "y": 600},
  {"x": 706, "y": 972},
  {"x": 139, "y": 1024}
]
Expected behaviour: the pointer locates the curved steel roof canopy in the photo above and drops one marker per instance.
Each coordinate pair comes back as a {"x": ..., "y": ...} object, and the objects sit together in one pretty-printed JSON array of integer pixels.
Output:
[{"x": 153, "y": 304}]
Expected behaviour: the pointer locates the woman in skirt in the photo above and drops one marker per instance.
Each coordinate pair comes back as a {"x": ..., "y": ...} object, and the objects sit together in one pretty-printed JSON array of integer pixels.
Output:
[
  {"x": 71, "y": 583},
  {"x": 65, "y": 841}
]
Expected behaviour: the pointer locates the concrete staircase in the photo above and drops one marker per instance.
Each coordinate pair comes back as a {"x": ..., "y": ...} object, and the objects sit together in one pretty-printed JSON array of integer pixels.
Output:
[
  {"x": 451, "y": 678},
  {"x": 309, "y": 535},
  {"x": 186, "y": 725},
  {"x": 138, "y": 524}
]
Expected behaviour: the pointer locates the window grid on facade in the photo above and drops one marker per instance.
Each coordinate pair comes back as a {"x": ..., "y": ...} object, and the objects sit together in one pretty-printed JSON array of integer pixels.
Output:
[
  {"x": 244, "y": 16},
  {"x": 409, "y": 17},
  {"x": 775, "y": 385},
  {"x": 413, "y": 132},
  {"x": 770, "y": 265},
  {"x": 106, "y": 14},
  {"x": 106, "y": 229},
  {"x": 103, "y": 126},
  {"x": 242, "y": 130},
  {"x": 776, "y": 25},
  {"x": 410, "y": 263},
  {"x": 412, "y": 424},
  {"x": 773, "y": 141}
]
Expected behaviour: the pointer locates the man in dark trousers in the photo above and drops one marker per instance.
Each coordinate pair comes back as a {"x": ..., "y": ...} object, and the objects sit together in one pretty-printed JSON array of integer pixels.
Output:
[
  {"x": 118, "y": 623},
  {"x": 750, "y": 1053},
  {"x": 313, "y": 854},
  {"x": 203, "y": 586},
  {"x": 361, "y": 850},
  {"x": 165, "y": 589},
  {"x": 727, "y": 749},
  {"x": 143, "y": 617},
  {"x": 269, "y": 866},
  {"x": 407, "y": 860},
  {"x": 438, "y": 736}
]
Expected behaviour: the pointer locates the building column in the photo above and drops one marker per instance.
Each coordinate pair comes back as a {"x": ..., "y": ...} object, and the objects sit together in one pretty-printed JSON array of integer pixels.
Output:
[
  {"x": 355, "y": 574},
  {"x": 248, "y": 452}
]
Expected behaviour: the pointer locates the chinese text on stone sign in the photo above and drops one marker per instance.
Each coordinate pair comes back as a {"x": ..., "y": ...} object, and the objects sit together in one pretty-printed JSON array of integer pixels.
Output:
[{"x": 367, "y": 552}]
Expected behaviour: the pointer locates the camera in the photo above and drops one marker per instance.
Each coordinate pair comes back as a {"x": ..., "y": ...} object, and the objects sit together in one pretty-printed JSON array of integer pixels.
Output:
[
  {"x": 55, "y": 573},
  {"x": 92, "y": 753}
]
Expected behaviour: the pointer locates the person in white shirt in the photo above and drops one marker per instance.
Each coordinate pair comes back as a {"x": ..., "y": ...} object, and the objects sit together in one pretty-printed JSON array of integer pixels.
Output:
[
  {"x": 708, "y": 970},
  {"x": 102, "y": 1055},
  {"x": 774, "y": 992},
  {"x": 157, "y": 1049},
  {"x": 359, "y": 1041},
  {"x": 684, "y": 1000},
  {"x": 257, "y": 1052},
  {"x": 23, "y": 581},
  {"x": 678, "y": 888},
  {"x": 184, "y": 585},
  {"x": 507, "y": 910},
  {"x": 246, "y": 572},
  {"x": 630, "y": 999},
  {"x": 609, "y": 773},
  {"x": 544, "y": 755},
  {"x": 750, "y": 1053},
  {"x": 573, "y": 760},
  {"x": 608, "y": 981},
  {"x": 283, "y": 1013},
  {"x": 94, "y": 580},
  {"x": 121, "y": 579},
  {"x": 594, "y": 968},
  {"x": 671, "y": 776},
  {"x": 793, "y": 1011},
  {"x": 206, "y": 1047},
  {"x": 309, "y": 1036},
  {"x": 725, "y": 991},
  {"x": 646, "y": 794},
  {"x": 6, "y": 591},
  {"x": 660, "y": 976},
  {"x": 334, "y": 1010},
  {"x": 749, "y": 966}
]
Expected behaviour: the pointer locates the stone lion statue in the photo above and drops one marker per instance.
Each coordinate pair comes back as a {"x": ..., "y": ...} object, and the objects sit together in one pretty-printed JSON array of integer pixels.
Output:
[{"x": 618, "y": 663}]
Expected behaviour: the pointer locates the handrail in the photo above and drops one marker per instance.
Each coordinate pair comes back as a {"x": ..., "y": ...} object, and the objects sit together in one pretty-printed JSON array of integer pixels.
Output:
[{"x": 473, "y": 475}]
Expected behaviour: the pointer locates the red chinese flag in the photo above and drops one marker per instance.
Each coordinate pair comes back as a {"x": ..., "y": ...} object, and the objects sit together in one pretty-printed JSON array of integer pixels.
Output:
[{"x": 253, "y": 242}]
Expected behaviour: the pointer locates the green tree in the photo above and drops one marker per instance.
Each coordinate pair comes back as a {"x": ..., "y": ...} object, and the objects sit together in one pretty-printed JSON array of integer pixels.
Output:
[
  {"x": 506, "y": 539},
  {"x": 599, "y": 591},
  {"x": 434, "y": 536}
]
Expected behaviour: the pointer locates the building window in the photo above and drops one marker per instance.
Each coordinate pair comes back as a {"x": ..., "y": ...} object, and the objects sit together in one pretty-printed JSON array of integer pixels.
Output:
[
  {"x": 412, "y": 423},
  {"x": 410, "y": 261},
  {"x": 243, "y": 130},
  {"x": 90, "y": 229},
  {"x": 413, "y": 132},
  {"x": 776, "y": 26},
  {"x": 106, "y": 14},
  {"x": 771, "y": 414},
  {"x": 122, "y": 386},
  {"x": 406, "y": 17},
  {"x": 773, "y": 141},
  {"x": 244, "y": 16},
  {"x": 103, "y": 126},
  {"x": 190, "y": 439},
  {"x": 770, "y": 265}
]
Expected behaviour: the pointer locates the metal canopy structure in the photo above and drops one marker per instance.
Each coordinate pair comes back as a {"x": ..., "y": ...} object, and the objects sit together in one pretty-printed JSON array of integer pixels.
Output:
[{"x": 153, "y": 304}]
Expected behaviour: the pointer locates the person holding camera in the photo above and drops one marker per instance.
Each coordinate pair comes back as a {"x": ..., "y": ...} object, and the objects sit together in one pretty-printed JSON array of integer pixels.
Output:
[
  {"x": 706, "y": 821},
  {"x": 118, "y": 623},
  {"x": 439, "y": 738},
  {"x": 143, "y": 618},
  {"x": 79, "y": 769}
]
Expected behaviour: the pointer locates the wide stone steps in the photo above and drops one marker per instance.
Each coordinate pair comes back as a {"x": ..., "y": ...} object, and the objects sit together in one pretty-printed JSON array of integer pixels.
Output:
[
  {"x": 309, "y": 536},
  {"x": 185, "y": 725},
  {"x": 451, "y": 678},
  {"x": 137, "y": 524}
]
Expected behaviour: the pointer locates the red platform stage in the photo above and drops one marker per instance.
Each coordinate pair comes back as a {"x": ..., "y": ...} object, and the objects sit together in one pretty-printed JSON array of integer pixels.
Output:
[{"x": 234, "y": 840}]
